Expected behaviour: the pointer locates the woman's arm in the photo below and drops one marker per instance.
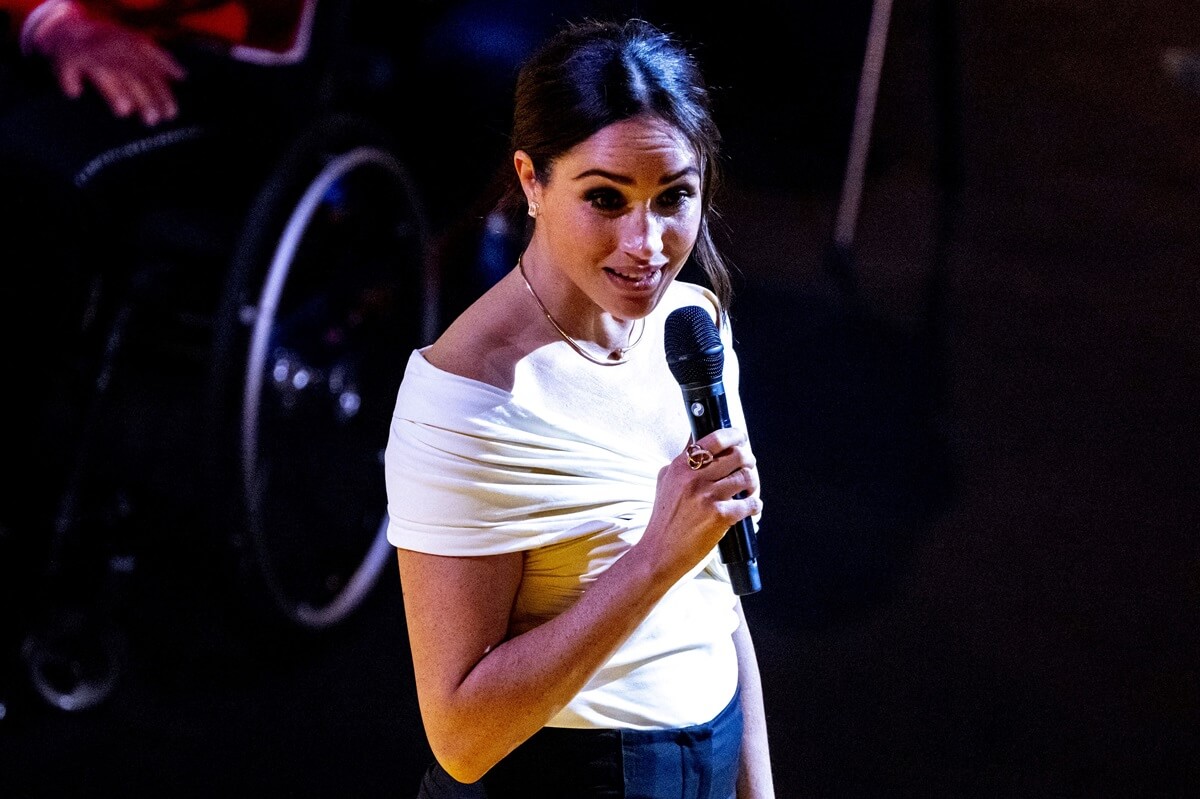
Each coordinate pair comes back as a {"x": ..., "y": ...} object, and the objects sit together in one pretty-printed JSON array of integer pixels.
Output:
[
  {"x": 754, "y": 775},
  {"x": 483, "y": 694}
]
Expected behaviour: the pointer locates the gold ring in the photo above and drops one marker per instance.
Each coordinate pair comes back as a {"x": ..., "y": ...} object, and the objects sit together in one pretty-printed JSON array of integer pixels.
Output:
[{"x": 698, "y": 457}]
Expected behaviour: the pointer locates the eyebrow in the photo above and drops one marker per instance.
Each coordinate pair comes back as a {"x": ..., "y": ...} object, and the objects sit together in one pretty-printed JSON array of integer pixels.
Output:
[{"x": 626, "y": 181}]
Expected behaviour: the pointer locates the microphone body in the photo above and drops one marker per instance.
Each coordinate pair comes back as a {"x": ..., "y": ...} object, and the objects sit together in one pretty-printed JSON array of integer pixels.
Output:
[{"x": 696, "y": 358}]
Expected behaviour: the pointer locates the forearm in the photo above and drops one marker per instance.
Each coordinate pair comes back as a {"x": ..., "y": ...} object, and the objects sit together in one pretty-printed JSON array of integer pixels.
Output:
[
  {"x": 754, "y": 774},
  {"x": 34, "y": 18},
  {"x": 521, "y": 683}
]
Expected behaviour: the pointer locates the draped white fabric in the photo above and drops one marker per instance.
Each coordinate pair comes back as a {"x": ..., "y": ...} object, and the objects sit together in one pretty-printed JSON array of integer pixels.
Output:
[
  {"x": 476, "y": 470},
  {"x": 472, "y": 472}
]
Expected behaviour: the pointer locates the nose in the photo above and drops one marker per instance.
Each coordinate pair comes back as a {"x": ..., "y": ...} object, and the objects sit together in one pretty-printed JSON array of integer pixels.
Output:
[{"x": 642, "y": 233}]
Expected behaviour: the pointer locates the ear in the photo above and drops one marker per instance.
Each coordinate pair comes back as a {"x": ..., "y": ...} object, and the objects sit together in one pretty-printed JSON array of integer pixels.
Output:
[{"x": 527, "y": 174}]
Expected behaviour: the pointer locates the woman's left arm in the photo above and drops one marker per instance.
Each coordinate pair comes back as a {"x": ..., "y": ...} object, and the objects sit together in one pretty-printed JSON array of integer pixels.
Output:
[{"x": 754, "y": 774}]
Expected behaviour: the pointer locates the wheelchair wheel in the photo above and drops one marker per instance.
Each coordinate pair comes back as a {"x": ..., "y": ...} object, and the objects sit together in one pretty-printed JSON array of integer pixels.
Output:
[
  {"x": 74, "y": 659},
  {"x": 331, "y": 286}
]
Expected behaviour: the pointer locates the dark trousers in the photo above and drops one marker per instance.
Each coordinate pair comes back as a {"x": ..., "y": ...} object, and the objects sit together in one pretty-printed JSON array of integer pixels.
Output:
[{"x": 698, "y": 762}]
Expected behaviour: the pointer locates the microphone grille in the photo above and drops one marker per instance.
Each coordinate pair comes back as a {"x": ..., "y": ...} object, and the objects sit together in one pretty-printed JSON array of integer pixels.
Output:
[{"x": 695, "y": 353}]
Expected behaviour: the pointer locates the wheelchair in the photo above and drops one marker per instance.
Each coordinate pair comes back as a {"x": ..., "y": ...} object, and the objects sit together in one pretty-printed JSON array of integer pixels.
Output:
[{"x": 262, "y": 326}]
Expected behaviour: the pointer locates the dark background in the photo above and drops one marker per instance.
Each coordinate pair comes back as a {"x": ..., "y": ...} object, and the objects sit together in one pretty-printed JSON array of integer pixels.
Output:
[{"x": 979, "y": 546}]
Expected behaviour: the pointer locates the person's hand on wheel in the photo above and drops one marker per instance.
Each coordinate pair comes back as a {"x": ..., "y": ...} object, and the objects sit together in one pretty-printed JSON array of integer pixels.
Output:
[{"x": 132, "y": 72}]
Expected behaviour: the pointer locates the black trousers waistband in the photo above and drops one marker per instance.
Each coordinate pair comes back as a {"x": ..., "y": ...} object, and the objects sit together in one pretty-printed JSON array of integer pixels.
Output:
[{"x": 696, "y": 762}]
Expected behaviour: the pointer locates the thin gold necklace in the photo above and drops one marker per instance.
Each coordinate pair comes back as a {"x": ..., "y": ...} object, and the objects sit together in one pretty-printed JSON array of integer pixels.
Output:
[{"x": 618, "y": 355}]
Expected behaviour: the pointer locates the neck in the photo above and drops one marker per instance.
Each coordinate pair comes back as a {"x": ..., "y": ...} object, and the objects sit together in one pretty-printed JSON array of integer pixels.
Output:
[{"x": 605, "y": 350}]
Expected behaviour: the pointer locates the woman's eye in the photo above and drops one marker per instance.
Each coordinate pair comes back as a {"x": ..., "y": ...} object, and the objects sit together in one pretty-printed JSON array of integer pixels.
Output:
[
  {"x": 673, "y": 198},
  {"x": 606, "y": 199}
]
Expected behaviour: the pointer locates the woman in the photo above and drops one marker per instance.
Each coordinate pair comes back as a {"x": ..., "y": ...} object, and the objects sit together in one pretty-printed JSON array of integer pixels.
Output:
[{"x": 573, "y": 631}]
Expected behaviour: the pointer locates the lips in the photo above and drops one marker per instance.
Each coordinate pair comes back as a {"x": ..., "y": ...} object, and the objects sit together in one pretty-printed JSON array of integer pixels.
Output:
[{"x": 635, "y": 278}]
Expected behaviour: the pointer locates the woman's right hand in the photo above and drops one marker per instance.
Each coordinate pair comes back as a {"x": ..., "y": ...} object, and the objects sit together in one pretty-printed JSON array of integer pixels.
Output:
[{"x": 693, "y": 508}]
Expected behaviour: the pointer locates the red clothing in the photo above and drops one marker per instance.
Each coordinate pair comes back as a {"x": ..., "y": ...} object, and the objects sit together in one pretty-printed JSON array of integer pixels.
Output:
[{"x": 271, "y": 25}]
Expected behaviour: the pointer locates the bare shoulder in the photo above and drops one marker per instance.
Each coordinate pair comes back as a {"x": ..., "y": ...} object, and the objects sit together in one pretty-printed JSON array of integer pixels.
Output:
[{"x": 483, "y": 343}]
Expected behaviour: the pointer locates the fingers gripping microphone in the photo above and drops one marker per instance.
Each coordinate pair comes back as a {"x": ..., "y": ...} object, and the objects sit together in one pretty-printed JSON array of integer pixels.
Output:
[{"x": 696, "y": 358}]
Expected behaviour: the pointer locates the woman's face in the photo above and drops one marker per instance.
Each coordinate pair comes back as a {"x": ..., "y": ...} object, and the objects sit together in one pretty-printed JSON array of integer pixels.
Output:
[{"x": 619, "y": 217}]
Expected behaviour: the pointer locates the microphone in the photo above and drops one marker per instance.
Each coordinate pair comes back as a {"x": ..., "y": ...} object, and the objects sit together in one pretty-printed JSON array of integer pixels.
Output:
[{"x": 696, "y": 358}]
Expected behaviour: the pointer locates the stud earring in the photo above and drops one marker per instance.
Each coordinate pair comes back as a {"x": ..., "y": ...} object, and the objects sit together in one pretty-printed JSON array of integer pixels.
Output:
[{"x": 533, "y": 210}]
